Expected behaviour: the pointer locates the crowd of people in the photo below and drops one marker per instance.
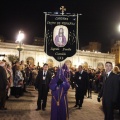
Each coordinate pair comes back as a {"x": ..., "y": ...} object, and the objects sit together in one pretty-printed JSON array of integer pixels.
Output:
[{"x": 15, "y": 77}]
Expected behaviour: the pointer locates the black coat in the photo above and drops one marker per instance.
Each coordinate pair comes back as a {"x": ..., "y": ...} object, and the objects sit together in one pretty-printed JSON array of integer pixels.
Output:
[
  {"x": 3, "y": 78},
  {"x": 39, "y": 78},
  {"x": 110, "y": 89},
  {"x": 81, "y": 81}
]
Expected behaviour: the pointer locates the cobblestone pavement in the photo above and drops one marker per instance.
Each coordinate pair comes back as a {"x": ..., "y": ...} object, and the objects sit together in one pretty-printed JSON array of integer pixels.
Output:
[{"x": 23, "y": 108}]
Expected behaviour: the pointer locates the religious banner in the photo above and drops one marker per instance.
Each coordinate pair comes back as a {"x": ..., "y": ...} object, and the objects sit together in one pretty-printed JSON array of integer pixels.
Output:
[{"x": 60, "y": 35}]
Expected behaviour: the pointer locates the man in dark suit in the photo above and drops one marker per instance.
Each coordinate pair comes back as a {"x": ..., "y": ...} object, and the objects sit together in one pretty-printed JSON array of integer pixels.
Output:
[
  {"x": 109, "y": 91},
  {"x": 3, "y": 86},
  {"x": 81, "y": 81},
  {"x": 42, "y": 85}
]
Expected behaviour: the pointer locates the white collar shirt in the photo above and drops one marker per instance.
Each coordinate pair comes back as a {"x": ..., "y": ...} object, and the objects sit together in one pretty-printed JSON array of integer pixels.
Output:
[{"x": 108, "y": 73}]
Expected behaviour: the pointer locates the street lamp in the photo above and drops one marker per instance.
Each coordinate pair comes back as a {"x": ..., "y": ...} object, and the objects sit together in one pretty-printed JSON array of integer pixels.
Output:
[
  {"x": 20, "y": 37},
  {"x": 119, "y": 28}
]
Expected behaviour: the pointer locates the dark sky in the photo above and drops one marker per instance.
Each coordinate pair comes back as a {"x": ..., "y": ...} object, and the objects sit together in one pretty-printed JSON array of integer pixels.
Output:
[{"x": 98, "y": 22}]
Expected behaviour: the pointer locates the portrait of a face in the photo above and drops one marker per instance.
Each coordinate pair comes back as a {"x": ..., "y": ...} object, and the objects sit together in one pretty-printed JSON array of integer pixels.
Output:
[{"x": 60, "y": 39}]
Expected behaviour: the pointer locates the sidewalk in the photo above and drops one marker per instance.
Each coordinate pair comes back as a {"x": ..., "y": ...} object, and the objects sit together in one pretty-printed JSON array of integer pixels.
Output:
[{"x": 23, "y": 108}]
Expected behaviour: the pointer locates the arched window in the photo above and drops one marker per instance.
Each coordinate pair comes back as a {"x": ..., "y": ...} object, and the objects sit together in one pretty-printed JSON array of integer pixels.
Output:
[
  {"x": 100, "y": 65},
  {"x": 30, "y": 60},
  {"x": 50, "y": 63}
]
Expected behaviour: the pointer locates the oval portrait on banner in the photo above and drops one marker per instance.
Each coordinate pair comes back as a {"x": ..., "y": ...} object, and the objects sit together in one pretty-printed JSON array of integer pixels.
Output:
[{"x": 60, "y": 35}]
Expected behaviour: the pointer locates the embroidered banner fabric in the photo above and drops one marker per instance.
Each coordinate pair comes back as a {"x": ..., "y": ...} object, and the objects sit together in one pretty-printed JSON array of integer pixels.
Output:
[{"x": 60, "y": 36}]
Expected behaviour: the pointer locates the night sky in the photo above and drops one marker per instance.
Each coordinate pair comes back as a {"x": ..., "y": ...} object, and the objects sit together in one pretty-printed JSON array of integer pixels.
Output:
[{"x": 98, "y": 22}]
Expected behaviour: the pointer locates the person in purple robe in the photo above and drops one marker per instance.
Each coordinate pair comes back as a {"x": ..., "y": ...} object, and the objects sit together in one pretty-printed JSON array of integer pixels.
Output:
[
  {"x": 60, "y": 39},
  {"x": 66, "y": 71},
  {"x": 59, "y": 86}
]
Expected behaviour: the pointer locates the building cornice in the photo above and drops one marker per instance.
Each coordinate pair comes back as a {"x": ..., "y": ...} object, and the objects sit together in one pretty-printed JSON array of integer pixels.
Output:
[
  {"x": 41, "y": 49},
  {"x": 25, "y": 47}
]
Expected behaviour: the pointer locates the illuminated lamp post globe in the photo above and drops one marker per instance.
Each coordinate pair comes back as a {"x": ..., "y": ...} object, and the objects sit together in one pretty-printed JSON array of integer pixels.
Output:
[
  {"x": 119, "y": 28},
  {"x": 19, "y": 40}
]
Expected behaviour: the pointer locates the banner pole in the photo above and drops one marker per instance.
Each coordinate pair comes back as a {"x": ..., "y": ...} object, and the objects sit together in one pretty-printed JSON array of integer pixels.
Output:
[
  {"x": 77, "y": 39},
  {"x": 45, "y": 36}
]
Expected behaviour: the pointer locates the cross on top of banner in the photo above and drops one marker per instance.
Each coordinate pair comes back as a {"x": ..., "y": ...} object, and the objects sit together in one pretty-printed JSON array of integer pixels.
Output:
[{"x": 62, "y": 8}]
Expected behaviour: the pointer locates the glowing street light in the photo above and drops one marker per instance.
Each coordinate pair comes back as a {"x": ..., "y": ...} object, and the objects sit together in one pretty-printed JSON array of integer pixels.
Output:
[
  {"x": 20, "y": 36},
  {"x": 119, "y": 28},
  {"x": 19, "y": 40}
]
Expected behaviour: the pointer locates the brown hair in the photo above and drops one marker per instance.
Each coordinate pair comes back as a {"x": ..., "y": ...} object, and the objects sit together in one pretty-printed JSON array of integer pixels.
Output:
[
  {"x": 18, "y": 67},
  {"x": 45, "y": 64},
  {"x": 108, "y": 63},
  {"x": 116, "y": 69}
]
